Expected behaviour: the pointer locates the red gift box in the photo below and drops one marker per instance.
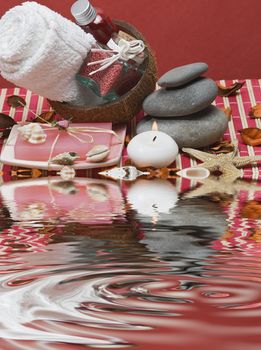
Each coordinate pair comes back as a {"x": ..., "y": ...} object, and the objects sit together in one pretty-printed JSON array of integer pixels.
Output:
[{"x": 66, "y": 142}]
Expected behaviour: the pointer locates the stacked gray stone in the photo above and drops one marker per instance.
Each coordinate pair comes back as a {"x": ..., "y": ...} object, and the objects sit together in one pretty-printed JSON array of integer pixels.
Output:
[{"x": 182, "y": 107}]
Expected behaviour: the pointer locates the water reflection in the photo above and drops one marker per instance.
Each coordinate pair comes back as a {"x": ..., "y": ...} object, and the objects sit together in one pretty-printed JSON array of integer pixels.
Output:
[
  {"x": 141, "y": 272},
  {"x": 185, "y": 235},
  {"x": 87, "y": 201},
  {"x": 152, "y": 197}
]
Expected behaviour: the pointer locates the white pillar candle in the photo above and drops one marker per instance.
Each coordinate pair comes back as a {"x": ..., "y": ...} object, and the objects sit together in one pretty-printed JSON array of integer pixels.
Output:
[
  {"x": 152, "y": 197},
  {"x": 152, "y": 149}
]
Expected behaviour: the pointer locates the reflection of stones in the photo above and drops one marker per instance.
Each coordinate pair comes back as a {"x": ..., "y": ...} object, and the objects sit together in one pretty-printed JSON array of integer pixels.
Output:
[
  {"x": 151, "y": 197},
  {"x": 182, "y": 75},
  {"x": 182, "y": 101},
  {"x": 186, "y": 233},
  {"x": 197, "y": 130}
]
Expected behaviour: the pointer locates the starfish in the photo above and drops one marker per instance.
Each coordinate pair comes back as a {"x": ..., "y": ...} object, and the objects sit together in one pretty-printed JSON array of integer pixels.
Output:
[
  {"x": 227, "y": 164},
  {"x": 221, "y": 185}
]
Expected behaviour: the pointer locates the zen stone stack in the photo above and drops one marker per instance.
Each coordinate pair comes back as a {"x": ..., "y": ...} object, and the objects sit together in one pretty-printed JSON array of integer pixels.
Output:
[{"x": 182, "y": 107}]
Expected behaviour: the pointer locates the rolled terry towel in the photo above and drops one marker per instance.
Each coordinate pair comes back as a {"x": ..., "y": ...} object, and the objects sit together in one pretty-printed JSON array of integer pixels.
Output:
[{"x": 42, "y": 51}]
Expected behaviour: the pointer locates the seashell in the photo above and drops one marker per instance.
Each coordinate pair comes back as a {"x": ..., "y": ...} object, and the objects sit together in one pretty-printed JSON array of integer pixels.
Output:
[
  {"x": 37, "y": 137},
  {"x": 26, "y": 131},
  {"x": 66, "y": 158},
  {"x": 98, "y": 153},
  {"x": 67, "y": 173},
  {"x": 197, "y": 173},
  {"x": 33, "y": 133},
  {"x": 126, "y": 173}
]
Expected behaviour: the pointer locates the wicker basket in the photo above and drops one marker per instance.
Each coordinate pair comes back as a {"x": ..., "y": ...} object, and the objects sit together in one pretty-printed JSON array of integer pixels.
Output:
[{"x": 126, "y": 107}]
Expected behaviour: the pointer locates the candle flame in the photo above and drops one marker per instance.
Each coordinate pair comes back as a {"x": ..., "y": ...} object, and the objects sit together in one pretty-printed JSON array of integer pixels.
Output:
[{"x": 155, "y": 126}]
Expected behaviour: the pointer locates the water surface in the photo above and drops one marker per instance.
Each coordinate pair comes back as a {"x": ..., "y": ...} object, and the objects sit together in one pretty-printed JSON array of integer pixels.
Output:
[{"x": 150, "y": 265}]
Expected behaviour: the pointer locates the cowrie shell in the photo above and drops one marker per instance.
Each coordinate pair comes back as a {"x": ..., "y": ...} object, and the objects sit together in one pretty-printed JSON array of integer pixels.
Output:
[{"x": 98, "y": 153}]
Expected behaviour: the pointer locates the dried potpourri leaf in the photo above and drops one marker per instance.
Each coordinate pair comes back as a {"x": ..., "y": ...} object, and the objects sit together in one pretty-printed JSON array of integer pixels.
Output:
[
  {"x": 127, "y": 140},
  {"x": 228, "y": 112},
  {"x": 251, "y": 210},
  {"x": 6, "y": 124},
  {"x": 221, "y": 147},
  {"x": 256, "y": 235},
  {"x": 25, "y": 172},
  {"x": 255, "y": 112},
  {"x": 231, "y": 90},
  {"x": 47, "y": 117},
  {"x": 16, "y": 101},
  {"x": 227, "y": 235},
  {"x": 251, "y": 136},
  {"x": 162, "y": 173},
  {"x": 128, "y": 162},
  {"x": 223, "y": 199},
  {"x": 36, "y": 173}
]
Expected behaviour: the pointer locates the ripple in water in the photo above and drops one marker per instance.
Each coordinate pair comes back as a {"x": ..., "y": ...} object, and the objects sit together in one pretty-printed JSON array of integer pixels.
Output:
[{"x": 182, "y": 282}]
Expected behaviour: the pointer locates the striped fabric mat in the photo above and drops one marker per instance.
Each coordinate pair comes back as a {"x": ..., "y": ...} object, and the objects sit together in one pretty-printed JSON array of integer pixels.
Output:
[{"x": 249, "y": 96}]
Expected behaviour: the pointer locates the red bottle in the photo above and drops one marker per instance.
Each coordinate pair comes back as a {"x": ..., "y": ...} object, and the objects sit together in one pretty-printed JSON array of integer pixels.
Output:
[{"x": 94, "y": 22}]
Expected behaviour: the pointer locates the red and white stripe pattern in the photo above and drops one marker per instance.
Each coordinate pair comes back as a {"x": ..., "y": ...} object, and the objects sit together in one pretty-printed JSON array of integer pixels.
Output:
[{"x": 248, "y": 96}]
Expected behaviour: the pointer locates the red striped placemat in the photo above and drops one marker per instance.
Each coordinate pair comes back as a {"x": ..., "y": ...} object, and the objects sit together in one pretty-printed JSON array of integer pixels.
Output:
[{"x": 248, "y": 96}]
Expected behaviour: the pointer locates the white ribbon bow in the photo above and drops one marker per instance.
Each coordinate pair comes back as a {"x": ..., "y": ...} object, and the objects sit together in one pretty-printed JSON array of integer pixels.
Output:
[{"x": 125, "y": 50}]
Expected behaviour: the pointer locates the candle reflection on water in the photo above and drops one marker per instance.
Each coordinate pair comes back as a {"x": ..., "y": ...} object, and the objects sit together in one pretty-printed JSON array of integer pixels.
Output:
[{"x": 152, "y": 197}]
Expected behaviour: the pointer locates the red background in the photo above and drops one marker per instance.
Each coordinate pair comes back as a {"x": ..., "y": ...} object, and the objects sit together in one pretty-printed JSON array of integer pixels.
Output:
[{"x": 223, "y": 33}]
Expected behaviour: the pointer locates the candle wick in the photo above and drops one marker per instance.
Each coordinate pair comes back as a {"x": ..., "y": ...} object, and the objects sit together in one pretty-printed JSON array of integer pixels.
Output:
[{"x": 154, "y": 139}]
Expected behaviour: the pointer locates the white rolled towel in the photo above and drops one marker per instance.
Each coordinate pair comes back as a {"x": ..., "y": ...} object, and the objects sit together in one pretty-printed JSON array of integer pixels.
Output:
[{"x": 42, "y": 51}]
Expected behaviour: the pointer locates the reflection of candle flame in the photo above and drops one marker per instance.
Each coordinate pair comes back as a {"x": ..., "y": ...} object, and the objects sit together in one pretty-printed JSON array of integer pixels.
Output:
[
  {"x": 155, "y": 214},
  {"x": 154, "y": 218},
  {"x": 155, "y": 126}
]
